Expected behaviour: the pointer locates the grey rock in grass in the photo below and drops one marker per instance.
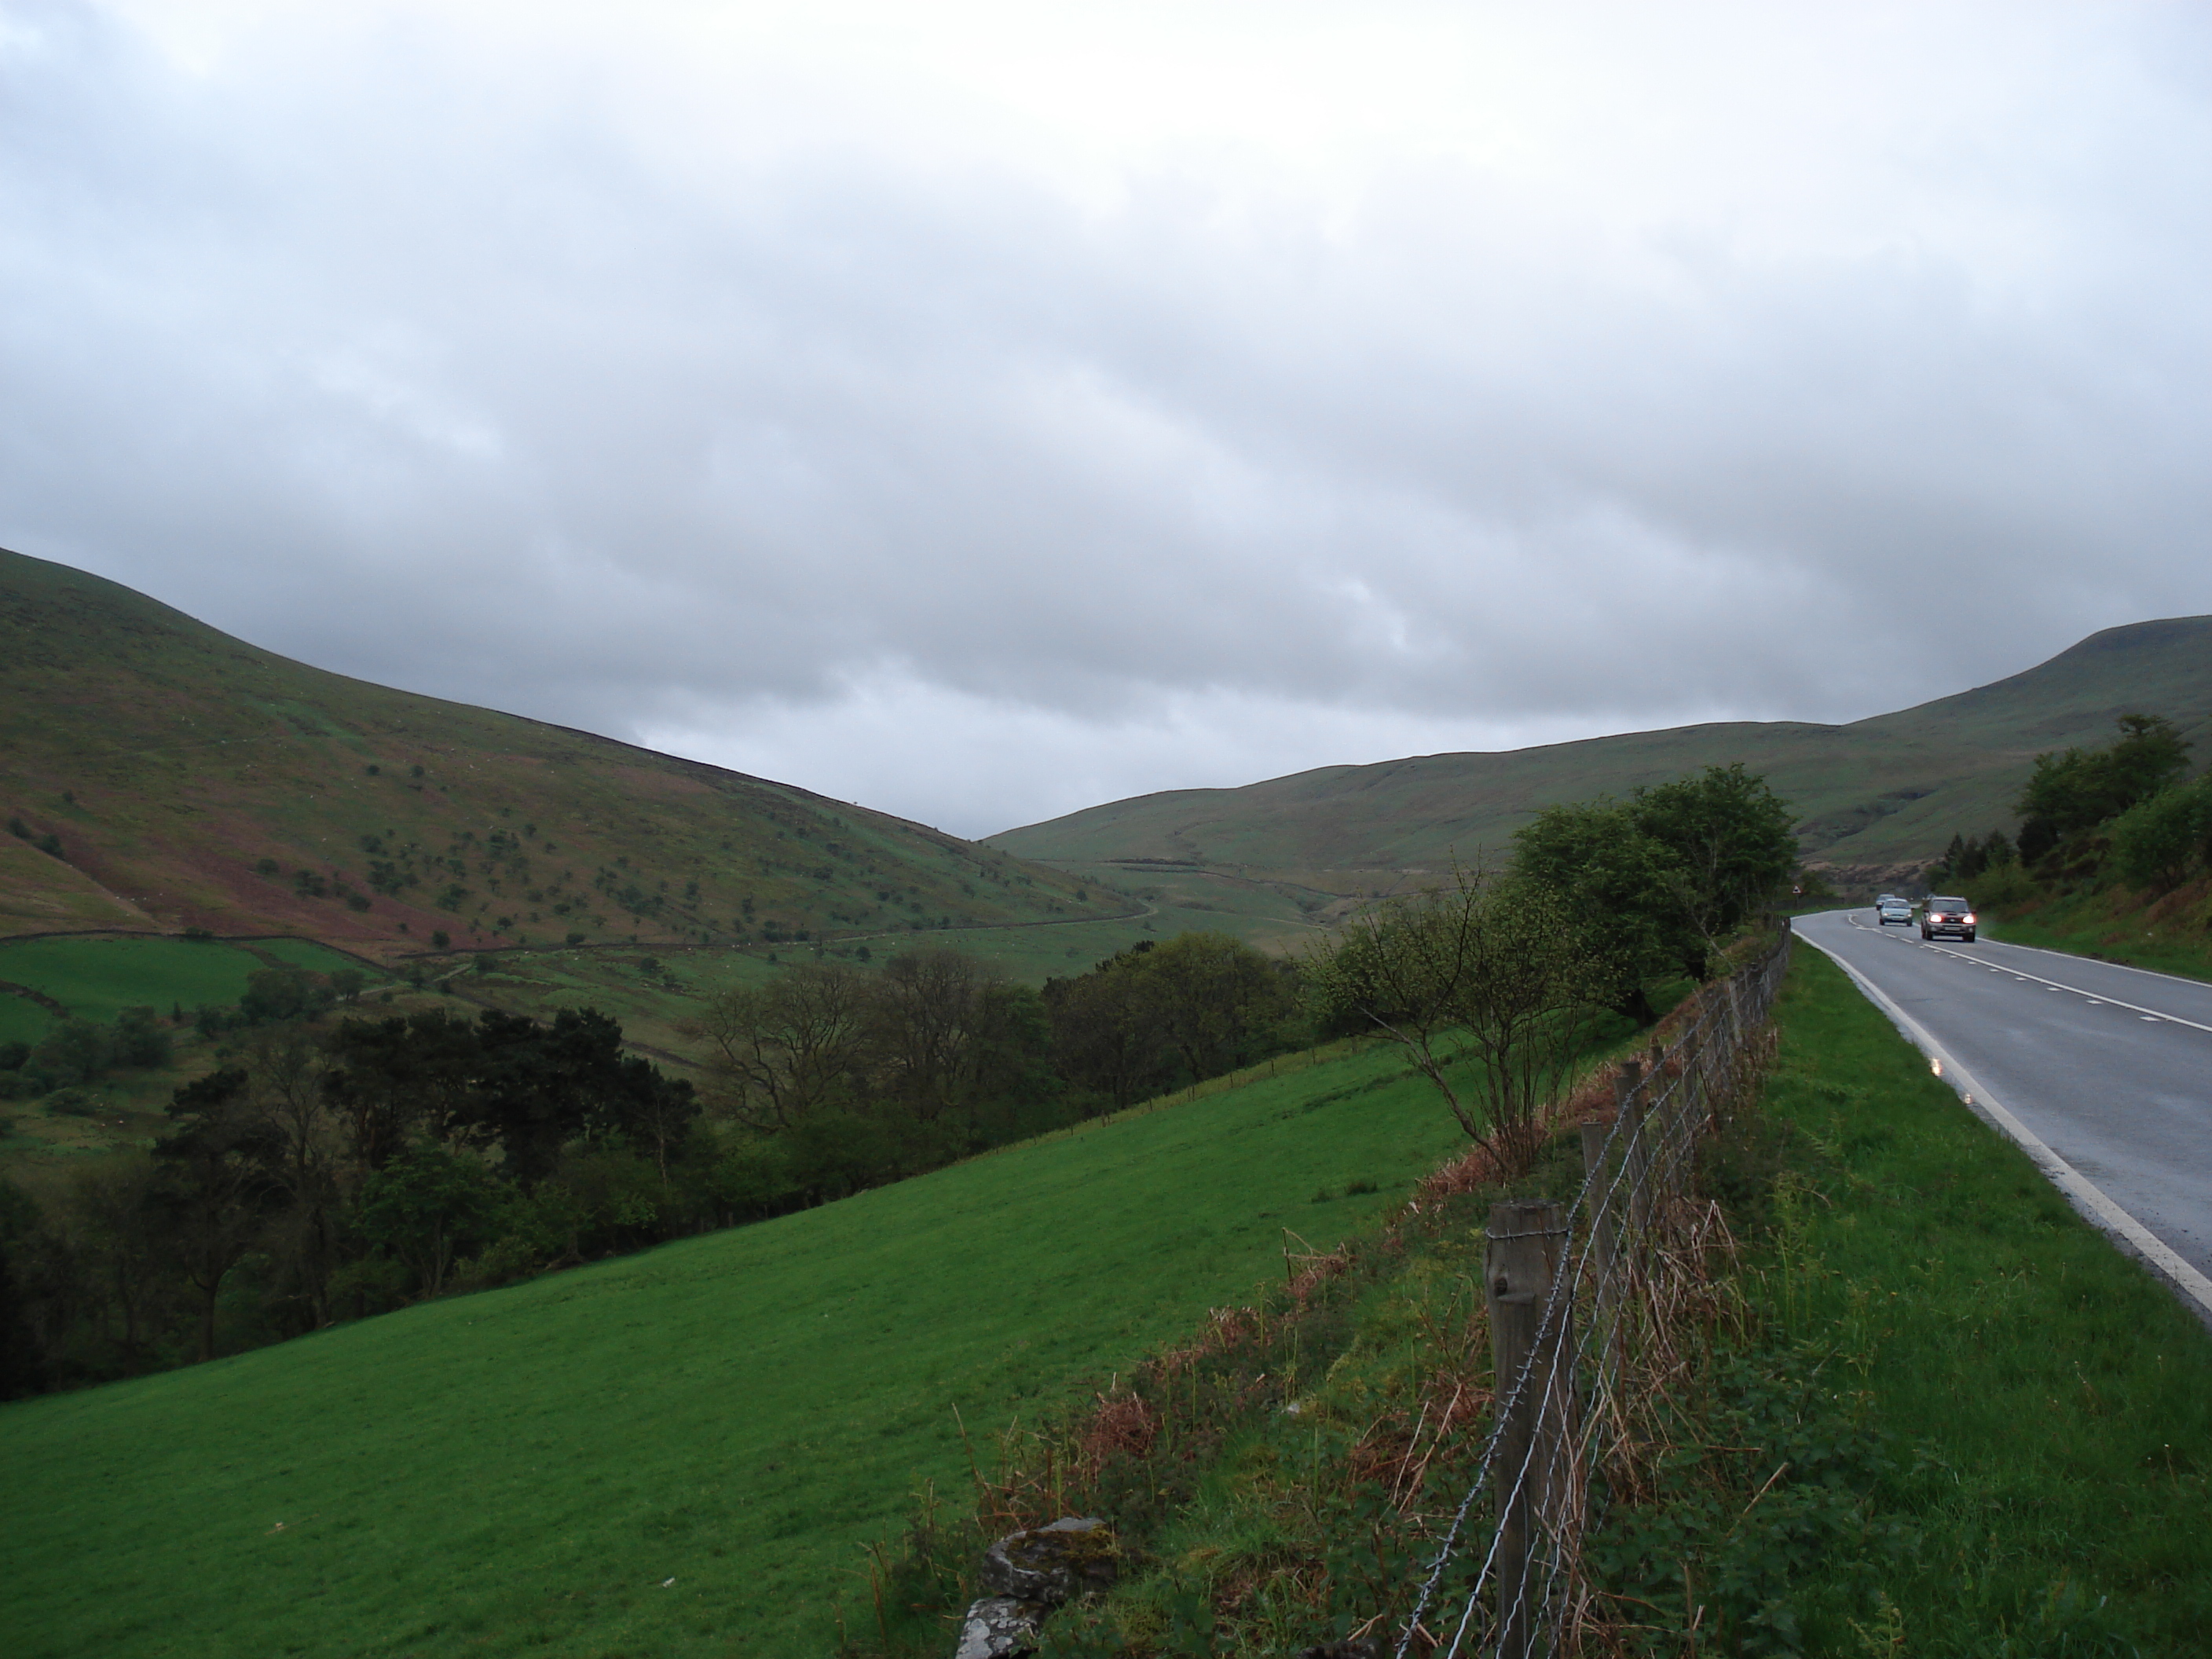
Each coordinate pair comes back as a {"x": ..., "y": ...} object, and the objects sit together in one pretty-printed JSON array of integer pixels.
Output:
[
  {"x": 1054, "y": 1564},
  {"x": 1000, "y": 1627}
]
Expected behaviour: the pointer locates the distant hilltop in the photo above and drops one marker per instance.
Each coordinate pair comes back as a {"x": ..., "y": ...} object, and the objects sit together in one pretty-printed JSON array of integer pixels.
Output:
[
  {"x": 1876, "y": 797},
  {"x": 160, "y": 775}
]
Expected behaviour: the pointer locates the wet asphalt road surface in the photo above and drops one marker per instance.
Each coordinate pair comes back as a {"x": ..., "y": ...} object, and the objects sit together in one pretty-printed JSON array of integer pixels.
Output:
[{"x": 2110, "y": 1066}]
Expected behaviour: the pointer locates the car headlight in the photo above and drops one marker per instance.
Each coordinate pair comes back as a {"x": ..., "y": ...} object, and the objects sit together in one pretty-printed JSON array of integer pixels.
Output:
[{"x": 1969, "y": 918}]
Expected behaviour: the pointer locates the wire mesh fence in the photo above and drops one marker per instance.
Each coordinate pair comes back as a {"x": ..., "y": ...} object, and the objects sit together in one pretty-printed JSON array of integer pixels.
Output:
[{"x": 1587, "y": 1305}]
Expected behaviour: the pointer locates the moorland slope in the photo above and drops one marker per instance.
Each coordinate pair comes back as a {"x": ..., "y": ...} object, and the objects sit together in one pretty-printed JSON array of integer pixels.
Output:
[
  {"x": 158, "y": 775},
  {"x": 1875, "y": 796}
]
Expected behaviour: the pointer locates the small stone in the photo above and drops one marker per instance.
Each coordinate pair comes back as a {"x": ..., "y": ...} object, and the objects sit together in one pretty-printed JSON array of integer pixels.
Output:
[
  {"x": 1000, "y": 1627},
  {"x": 1053, "y": 1564}
]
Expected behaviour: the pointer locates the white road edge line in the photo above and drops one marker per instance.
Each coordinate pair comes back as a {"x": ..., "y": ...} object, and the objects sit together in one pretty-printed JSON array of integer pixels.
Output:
[
  {"x": 2082, "y": 1193},
  {"x": 2152, "y": 1013}
]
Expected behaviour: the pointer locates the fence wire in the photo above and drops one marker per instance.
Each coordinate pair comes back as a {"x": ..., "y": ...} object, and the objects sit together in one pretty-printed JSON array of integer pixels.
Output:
[{"x": 1507, "y": 1575}]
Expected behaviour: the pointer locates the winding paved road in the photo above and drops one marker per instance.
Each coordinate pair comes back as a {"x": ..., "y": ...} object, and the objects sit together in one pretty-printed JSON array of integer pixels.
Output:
[{"x": 2108, "y": 1068}]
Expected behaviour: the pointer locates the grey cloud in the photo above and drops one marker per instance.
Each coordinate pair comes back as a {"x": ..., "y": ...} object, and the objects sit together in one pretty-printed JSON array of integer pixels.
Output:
[{"x": 434, "y": 371}]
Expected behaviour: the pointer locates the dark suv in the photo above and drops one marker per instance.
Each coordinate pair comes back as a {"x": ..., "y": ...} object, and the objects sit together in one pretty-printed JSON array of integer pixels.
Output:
[{"x": 1954, "y": 917}]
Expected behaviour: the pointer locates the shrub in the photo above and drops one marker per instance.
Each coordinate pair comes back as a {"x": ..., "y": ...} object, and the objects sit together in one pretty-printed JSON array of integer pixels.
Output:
[
  {"x": 2001, "y": 886},
  {"x": 138, "y": 1039},
  {"x": 2155, "y": 842},
  {"x": 75, "y": 1052}
]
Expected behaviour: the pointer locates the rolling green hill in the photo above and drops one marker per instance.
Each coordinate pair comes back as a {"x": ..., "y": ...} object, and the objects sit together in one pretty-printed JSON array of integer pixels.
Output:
[
  {"x": 681, "y": 1452},
  {"x": 1877, "y": 796},
  {"x": 176, "y": 777}
]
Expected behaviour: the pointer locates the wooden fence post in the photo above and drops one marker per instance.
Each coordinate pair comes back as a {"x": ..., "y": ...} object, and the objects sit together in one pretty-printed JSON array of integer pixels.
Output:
[
  {"x": 1636, "y": 1143},
  {"x": 1521, "y": 1260},
  {"x": 1604, "y": 1211}
]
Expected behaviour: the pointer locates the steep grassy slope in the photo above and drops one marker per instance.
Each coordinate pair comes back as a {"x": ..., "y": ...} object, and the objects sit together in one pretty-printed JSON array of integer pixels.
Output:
[
  {"x": 1875, "y": 794},
  {"x": 525, "y": 1470},
  {"x": 191, "y": 780}
]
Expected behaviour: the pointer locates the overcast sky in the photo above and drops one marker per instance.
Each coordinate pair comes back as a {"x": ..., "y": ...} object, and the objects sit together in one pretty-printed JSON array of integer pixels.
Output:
[{"x": 983, "y": 411}]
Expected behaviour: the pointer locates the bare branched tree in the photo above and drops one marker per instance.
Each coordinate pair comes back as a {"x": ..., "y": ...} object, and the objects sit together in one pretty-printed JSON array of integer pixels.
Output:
[
  {"x": 1489, "y": 985},
  {"x": 783, "y": 1051}
]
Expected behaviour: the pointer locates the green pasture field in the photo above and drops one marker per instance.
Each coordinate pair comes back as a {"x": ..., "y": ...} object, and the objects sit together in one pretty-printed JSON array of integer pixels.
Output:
[
  {"x": 1032, "y": 955},
  {"x": 96, "y": 979},
  {"x": 651, "y": 1005},
  {"x": 2049, "y": 1402},
  {"x": 306, "y": 953},
  {"x": 682, "y": 1452}
]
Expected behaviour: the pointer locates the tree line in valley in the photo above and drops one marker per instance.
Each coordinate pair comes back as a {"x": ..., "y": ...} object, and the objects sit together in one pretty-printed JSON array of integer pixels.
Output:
[
  {"x": 333, "y": 1166},
  {"x": 2126, "y": 811}
]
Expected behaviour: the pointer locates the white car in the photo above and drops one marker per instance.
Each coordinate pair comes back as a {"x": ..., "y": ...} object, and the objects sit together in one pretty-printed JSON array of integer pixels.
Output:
[{"x": 1888, "y": 910}]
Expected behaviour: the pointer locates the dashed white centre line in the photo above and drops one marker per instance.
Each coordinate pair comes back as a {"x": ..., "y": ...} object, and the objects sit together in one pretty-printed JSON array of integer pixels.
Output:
[{"x": 2053, "y": 985}]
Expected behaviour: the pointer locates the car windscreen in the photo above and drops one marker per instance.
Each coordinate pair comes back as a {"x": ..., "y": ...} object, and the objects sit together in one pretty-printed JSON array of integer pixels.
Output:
[{"x": 1947, "y": 904}]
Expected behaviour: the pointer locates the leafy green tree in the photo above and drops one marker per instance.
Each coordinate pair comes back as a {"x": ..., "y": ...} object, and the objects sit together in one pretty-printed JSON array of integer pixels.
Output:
[
  {"x": 388, "y": 1079},
  {"x": 216, "y": 1187},
  {"x": 425, "y": 1208},
  {"x": 923, "y": 1022},
  {"x": 537, "y": 1087},
  {"x": 279, "y": 993},
  {"x": 137, "y": 1039},
  {"x": 2157, "y": 843},
  {"x": 1621, "y": 884},
  {"x": 1734, "y": 842},
  {"x": 289, "y": 1067},
  {"x": 22, "y": 1355},
  {"x": 1666, "y": 877},
  {"x": 75, "y": 1052},
  {"x": 2077, "y": 789},
  {"x": 118, "y": 1228},
  {"x": 1103, "y": 1037},
  {"x": 1212, "y": 997},
  {"x": 949, "y": 1038}
]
